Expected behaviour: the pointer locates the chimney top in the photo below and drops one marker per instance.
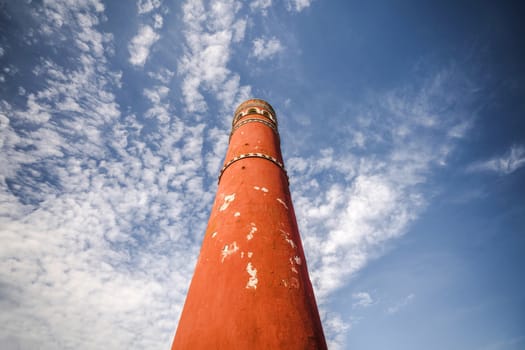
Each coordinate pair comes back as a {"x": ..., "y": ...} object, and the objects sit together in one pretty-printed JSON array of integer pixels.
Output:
[{"x": 255, "y": 102}]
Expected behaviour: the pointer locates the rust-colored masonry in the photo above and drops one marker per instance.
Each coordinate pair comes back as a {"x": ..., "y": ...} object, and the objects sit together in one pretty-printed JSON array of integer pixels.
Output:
[{"x": 251, "y": 288}]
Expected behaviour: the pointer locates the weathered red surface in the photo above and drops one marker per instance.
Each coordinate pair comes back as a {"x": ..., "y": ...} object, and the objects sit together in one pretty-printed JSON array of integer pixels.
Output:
[{"x": 251, "y": 288}]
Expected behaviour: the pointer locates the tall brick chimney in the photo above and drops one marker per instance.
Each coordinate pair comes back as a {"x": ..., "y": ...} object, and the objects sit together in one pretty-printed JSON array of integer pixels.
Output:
[{"x": 251, "y": 289}]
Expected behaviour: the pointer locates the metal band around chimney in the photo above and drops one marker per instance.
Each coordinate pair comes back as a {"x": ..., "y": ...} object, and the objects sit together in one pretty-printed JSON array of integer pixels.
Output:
[
  {"x": 253, "y": 155},
  {"x": 254, "y": 120}
]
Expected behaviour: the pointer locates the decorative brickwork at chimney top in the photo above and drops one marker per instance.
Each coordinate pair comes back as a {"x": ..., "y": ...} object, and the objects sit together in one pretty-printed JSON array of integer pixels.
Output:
[{"x": 251, "y": 289}]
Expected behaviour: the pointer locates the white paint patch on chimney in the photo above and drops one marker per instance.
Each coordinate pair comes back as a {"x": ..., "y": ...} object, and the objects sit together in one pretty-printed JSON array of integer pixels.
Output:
[
  {"x": 252, "y": 282},
  {"x": 286, "y": 236},
  {"x": 297, "y": 260},
  {"x": 282, "y": 202},
  {"x": 249, "y": 236},
  {"x": 228, "y": 250},
  {"x": 227, "y": 200}
]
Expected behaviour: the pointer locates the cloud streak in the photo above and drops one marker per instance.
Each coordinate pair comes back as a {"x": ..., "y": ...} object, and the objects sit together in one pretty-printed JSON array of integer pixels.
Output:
[
  {"x": 362, "y": 299},
  {"x": 505, "y": 164},
  {"x": 400, "y": 305},
  {"x": 297, "y": 5}
]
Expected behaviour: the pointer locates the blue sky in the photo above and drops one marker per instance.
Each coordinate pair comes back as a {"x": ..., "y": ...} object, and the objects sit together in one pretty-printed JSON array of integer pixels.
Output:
[{"x": 402, "y": 127}]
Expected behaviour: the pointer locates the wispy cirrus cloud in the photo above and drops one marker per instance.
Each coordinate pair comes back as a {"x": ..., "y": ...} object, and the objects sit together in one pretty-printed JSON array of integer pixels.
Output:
[
  {"x": 504, "y": 164},
  {"x": 362, "y": 299},
  {"x": 394, "y": 309},
  {"x": 350, "y": 206},
  {"x": 297, "y": 5}
]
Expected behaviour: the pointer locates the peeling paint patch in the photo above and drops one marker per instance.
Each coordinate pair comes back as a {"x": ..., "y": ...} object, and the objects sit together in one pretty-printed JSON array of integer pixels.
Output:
[
  {"x": 227, "y": 200},
  {"x": 252, "y": 282},
  {"x": 293, "y": 261},
  {"x": 228, "y": 250},
  {"x": 249, "y": 236},
  {"x": 250, "y": 254},
  {"x": 297, "y": 260},
  {"x": 237, "y": 214},
  {"x": 242, "y": 254},
  {"x": 257, "y": 188},
  {"x": 286, "y": 236},
  {"x": 292, "y": 283},
  {"x": 213, "y": 234},
  {"x": 282, "y": 202}
]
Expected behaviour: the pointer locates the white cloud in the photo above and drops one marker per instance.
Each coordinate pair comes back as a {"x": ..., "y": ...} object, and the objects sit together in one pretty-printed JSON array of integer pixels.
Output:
[
  {"x": 262, "y": 5},
  {"x": 163, "y": 75},
  {"x": 298, "y": 5},
  {"x": 160, "y": 108},
  {"x": 145, "y": 6},
  {"x": 158, "y": 21},
  {"x": 266, "y": 48},
  {"x": 335, "y": 329},
  {"x": 505, "y": 164},
  {"x": 99, "y": 210},
  {"x": 156, "y": 93},
  {"x": 140, "y": 45},
  {"x": 401, "y": 304},
  {"x": 239, "y": 28},
  {"x": 349, "y": 206},
  {"x": 362, "y": 299},
  {"x": 209, "y": 34},
  {"x": 460, "y": 129}
]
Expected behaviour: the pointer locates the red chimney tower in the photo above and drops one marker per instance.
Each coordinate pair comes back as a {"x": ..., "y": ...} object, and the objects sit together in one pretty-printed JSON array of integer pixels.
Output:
[{"x": 251, "y": 289}]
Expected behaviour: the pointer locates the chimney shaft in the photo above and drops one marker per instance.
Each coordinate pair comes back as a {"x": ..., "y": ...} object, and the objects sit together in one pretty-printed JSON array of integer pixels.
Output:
[{"x": 251, "y": 289}]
